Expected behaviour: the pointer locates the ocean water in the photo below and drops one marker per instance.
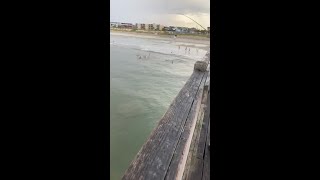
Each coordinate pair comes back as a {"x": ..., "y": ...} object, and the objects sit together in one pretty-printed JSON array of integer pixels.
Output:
[{"x": 142, "y": 89}]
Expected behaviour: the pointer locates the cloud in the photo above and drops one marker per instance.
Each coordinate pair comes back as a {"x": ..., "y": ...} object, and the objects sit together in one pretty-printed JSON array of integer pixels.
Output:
[
  {"x": 161, "y": 11},
  {"x": 180, "y": 6}
]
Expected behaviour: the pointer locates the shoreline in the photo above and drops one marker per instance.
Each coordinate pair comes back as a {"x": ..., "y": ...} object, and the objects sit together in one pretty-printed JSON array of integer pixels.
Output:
[{"x": 179, "y": 39}]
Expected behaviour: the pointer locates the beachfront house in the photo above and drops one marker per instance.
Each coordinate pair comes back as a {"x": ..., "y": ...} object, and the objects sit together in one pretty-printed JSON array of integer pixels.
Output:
[
  {"x": 159, "y": 27},
  {"x": 193, "y": 30},
  {"x": 141, "y": 26},
  {"x": 170, "y": 29},
  {"x": 114, "y": 24},
  {"x": 178, "y": 30},
  {"x": 126, "y": 25},
  {"x": 152, "y": 26},
  {"x": 147, "y": 27},
  {"x": 182, "y": 30}
]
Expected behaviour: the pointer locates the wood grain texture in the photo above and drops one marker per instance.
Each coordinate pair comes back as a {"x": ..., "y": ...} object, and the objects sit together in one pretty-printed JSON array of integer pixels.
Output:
[
  {"x": 177, "y": 148},
  {"x": 197, "y": 162},
  {"x": 206, "y": 162},
  {"x": 153, "y": 160},
  {"x": 206, "y": 58},
  {"x": 178, "y": 161},
  {"x": 195, "y": 140},
  {"x": 192, "y": 161}
]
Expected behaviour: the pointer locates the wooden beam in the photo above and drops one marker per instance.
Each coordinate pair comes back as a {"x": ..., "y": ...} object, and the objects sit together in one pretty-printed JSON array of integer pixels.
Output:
[
  {"x": 153, "y": 160},
  {"x": 179, "y": 159},
  {"x": 206, "y": 159},
  {"x": 196, "y": 167}
]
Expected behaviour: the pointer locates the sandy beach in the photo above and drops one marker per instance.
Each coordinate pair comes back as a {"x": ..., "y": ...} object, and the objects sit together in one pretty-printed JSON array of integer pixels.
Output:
[{"x": 181, "y": 39}]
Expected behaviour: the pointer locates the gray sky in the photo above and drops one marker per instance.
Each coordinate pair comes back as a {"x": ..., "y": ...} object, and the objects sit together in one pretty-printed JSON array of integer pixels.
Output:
[{"x": 161, "y": 11}]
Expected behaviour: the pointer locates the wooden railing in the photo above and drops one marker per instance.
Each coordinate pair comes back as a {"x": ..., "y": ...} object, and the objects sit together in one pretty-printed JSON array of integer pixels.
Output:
[{"x": 165, "y": 153}]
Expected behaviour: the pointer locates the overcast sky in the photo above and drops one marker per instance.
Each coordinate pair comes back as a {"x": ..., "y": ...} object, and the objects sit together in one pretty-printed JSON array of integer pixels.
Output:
[{"x": 161, "y": 12}]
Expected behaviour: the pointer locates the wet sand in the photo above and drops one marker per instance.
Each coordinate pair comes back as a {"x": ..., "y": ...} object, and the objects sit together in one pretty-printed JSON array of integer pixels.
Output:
[{"x": 180, "y": 39}]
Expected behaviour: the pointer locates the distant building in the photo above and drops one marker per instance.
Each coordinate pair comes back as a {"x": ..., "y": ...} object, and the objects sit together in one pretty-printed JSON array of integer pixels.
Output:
[
  {"x": 165, "y": 28},
  {"x": 147, "y": 27},
  {"x": 126, "y": 25},
  {"x": 114, "y": 24},
  {"x": 172, "y": 28},
  {"x": 152, "y": 26},
  {"x": 178, "y": 30},
  {"x": 192, "y": 30},
  {"x": 182, "y": 30},
  {"x": 141, "y": 26},
  {"x": 159, "y": 27},
  {"x": 121, "y": 25}
]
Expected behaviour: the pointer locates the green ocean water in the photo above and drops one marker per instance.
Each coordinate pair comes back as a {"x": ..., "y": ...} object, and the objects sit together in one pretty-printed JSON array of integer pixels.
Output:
[{"x": 141, "y": 91}]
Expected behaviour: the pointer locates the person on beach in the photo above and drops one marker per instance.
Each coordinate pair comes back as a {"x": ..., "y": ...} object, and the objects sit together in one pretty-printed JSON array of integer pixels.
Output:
[
  {"x": 189, "y": 50},
  {"x": 179, "y": 47}
]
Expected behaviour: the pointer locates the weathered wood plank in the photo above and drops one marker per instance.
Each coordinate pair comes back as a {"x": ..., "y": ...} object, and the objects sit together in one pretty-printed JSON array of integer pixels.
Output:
[
  {"x": 203, "y": 134},
  {"x": 195, "y": 139},
  {"x": 192, "y": 160},
  {"x": 206, "y": 162},
  {"x": 206, "y": 58},
  {"x": 153, "y": 159},
  {"x": 207, "y": 83},
  {"x": 206, "y": 89},
  {"x": 196, "y": 169},
  {"x": 197, "y": 162},
  {"x": 178, "y": 161}
]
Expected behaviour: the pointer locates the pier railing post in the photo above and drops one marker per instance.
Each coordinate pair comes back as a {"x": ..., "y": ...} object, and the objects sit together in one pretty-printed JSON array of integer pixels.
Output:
[{"x": 200, "y": 66}]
